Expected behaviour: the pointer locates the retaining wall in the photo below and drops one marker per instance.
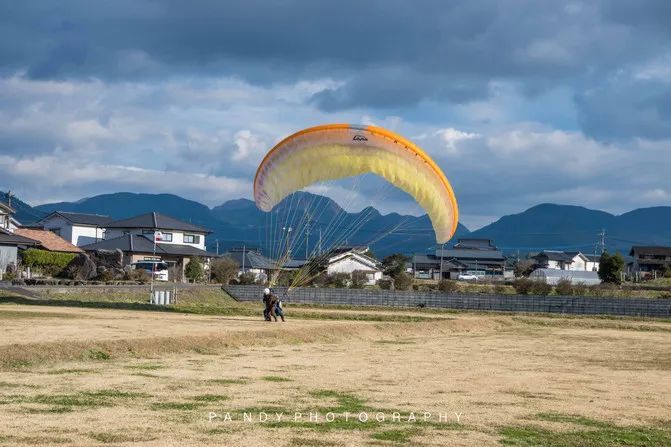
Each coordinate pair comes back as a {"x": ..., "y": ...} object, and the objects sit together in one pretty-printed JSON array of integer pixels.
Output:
[{"x": 579, "y": 305}]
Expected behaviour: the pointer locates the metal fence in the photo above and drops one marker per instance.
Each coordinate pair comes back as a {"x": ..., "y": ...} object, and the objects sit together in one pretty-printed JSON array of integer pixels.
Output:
[{"x": 579, "y": 305}]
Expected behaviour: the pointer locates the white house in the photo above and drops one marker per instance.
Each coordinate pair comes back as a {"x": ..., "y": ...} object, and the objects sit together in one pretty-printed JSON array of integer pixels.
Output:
[
  {"x": 7, "y": 221},
  {"x": 352, "y": 261},
  {"x": 77, "y": 228},
  {"x": 173, "y": 231}
]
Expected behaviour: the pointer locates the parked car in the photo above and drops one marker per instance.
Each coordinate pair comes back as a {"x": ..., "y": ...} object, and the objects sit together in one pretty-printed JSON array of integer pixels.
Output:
[
  {"x": 159, "y": 268},
  {"x": 467, "y": 277}
]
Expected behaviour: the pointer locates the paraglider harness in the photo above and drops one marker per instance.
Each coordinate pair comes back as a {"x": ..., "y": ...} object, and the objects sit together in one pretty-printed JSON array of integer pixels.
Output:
[{"x": 269, "y": 306}]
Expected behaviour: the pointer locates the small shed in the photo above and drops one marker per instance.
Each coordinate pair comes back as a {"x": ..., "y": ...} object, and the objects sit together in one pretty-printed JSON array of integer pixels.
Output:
[{"x": 553, "y": 276}]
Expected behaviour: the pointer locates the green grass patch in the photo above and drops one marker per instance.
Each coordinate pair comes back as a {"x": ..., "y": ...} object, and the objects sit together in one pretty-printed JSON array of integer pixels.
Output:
[
  {"x": 210, "y": 398},
  {"x": 571, "y": 419},
  {"x": 311, "y": 442},
  {"x": 586, "y": 432},
  {"x": 395, "y": 342},
  {"x": 179, "y": 406},
  {"x": 96, "y": 354},
  {"x": 228, "y": 381},
  {"x": 344, "y": 402},
  {"x": 54, "y": 372},
  {"x": 146, "y": 366},
  {"x": 275, "y": 379},
  {"x": 120, "y": 437},
  {"x": 602, "y": 437}
]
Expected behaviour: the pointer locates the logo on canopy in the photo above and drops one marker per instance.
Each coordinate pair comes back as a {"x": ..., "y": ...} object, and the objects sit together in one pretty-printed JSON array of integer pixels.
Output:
[{"x": 359, "y": 138}]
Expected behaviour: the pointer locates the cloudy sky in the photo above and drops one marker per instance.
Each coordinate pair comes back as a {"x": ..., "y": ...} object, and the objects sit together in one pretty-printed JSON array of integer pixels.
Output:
[{"x": 520, "y": 102}]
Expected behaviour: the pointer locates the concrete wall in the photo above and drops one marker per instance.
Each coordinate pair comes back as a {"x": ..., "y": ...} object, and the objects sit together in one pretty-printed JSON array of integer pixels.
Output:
[{"x": 506, "y": 303}]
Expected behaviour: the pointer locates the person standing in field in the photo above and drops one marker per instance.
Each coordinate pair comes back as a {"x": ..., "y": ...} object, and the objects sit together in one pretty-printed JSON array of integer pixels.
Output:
[
  {"x": 279, "y": 311},
  {"x": 266, "y": 303}
]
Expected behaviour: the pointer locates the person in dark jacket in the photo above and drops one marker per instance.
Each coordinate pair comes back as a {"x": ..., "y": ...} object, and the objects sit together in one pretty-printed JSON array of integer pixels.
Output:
[{"x": 266, "y": 302}]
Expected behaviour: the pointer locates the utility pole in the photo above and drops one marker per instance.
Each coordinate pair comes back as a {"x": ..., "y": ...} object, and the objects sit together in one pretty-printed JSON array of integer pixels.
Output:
[
  {"x": 307, "y": 233},
  {"x": 9, "y": 198},
  {"x": 442, "y": 249},
  {"x": 603, "y": 240},
  {"x": 288, "y": 230},
  {"x": 217, "y": 247},
  {"x": 243, "y": 258}
]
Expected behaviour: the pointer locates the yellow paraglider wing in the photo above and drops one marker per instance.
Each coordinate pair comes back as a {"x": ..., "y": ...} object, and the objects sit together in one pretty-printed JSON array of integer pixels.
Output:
[{"x": 335, "y": 151}]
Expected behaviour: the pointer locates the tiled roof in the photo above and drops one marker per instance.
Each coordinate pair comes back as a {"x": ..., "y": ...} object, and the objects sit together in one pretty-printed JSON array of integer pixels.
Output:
[
  {"x": 7, "y": 238},
  {"x": 82, "y": 218},
  {"x": 555, "y": 256},
  {"x": 48, "y": 240},
  {"x": 136, "y": 243},
  {"x": 156, "y": 221},
  {"x": 650, "y": 250}
]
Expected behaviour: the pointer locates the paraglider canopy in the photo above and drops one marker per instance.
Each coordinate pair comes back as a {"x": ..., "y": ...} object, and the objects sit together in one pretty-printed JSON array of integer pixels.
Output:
[{"x": 335, "y": 151}]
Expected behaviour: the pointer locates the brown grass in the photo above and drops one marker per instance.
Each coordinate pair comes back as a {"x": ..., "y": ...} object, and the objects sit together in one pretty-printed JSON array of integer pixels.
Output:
[{"x": 122, "y": 377}]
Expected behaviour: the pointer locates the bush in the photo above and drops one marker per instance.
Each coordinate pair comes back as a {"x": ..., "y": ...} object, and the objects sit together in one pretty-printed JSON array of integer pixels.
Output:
[
  {"x": 359, "y": 279},
  {"x": 385, "y": 284},
  {"x": 523, "y": 285},
  {"x": 447, "y": 286},
  {"x": 500, "y": 289},
  {"x": 48, "y": 262},
  {"x": 246, "y": 278},
  {"x": 610, "y": 268},
  {"x": 540, "y": 288},
  {"x": 338, "y": 280},
  {"x": 564, "y": 287},
  {"x": 139, "y": 275},
  {"x": 223, "y": 270},
  {"x": 667, "y": 272},
  {"x": 402, "y": 281},
  {"x": 579, "y": 289},
  {"x": 194, "y": 271}
]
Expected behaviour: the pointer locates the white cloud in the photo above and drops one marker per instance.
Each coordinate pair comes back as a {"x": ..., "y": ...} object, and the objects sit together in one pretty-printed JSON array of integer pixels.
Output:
[{"x": 452, "y": 136}]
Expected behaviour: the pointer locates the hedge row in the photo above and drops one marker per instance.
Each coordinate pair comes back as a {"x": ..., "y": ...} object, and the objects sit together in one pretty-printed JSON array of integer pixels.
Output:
[{"x": 34, "y": 257}]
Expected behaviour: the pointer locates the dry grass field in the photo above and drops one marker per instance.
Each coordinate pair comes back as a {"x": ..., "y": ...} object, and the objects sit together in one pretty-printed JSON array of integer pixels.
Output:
[{"x": 91, "y": 376}]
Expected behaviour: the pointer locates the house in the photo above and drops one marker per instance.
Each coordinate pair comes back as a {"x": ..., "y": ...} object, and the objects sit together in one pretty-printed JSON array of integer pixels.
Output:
[
  {"x": 7, "y": 221},
  {"x": 10, "y": 244},
  {"x": 250, "y": 260},
  {"x": 138, "y": 247},
  {"x": 479, "y": 257},
  {"x": 592, "y": 263},
  {"x": 179, "y": 241},
  {"x": 650, "y": 260},
  {"x": 553, "y": 259},
  {"x": 354, "y": 260},
  {"x": 173, "y": 231},
  {"x": 78, "y": 228},
  {"x": 47, "y": 240}
]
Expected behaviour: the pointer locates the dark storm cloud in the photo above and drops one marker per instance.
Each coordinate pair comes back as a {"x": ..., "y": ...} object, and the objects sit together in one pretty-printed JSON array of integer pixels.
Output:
[{"x": 391, "y": 53}]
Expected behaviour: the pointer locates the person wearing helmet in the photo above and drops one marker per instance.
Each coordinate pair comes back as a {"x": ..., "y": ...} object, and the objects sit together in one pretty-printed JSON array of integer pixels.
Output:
[{"x": 267, "y": 296}]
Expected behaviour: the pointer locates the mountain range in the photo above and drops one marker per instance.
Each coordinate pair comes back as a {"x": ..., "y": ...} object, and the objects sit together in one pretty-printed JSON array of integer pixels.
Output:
[{"x": 239, "y": 222}]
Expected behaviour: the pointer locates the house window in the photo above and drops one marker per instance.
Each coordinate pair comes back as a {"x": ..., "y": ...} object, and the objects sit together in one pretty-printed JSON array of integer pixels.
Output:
[
  {"x": 167, "y": 237},
  {"x": 191, "y": 239},
  {"x": 56, "y": 231}
]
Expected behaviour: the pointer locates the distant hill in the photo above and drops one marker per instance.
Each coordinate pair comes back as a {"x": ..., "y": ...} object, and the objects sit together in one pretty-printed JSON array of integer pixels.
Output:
[
  {"x": 566, "y": 227},
  {"x": 24, "y": 212},
  {"x": 239, "y": 222}
]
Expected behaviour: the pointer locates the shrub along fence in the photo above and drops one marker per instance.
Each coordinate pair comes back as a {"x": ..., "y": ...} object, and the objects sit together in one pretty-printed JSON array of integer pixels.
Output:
[{"x": 578, "y": 305}]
